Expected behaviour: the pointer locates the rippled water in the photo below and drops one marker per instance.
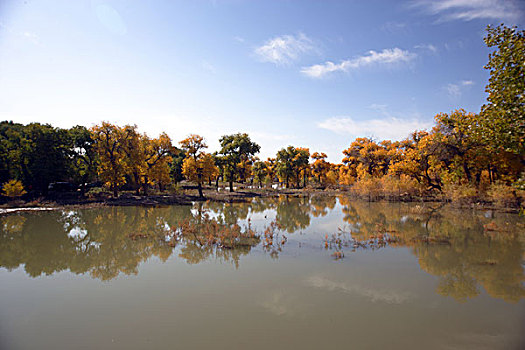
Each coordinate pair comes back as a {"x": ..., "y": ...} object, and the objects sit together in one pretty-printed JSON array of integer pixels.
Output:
[{"x": 336, "y": 273}]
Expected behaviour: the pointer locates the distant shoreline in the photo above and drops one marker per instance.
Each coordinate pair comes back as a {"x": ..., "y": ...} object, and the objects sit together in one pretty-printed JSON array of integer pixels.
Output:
[{"x": 211, "y": 194}]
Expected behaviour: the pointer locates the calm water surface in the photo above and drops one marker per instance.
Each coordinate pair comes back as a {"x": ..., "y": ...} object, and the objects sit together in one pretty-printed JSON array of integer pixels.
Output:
[{"x": 337, "y": 273}]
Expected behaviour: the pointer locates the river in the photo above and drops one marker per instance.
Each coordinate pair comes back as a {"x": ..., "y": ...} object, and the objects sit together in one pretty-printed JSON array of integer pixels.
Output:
[{"x": 316, "y": 272}]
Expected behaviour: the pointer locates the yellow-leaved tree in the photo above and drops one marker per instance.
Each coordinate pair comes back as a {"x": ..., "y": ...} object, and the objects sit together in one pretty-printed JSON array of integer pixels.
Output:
[
  {"x": 13, "y": 189},
  {"x": 196, "y": 162},
  {"x": 200, "y": 169},
  {"x": 109, "y": 141},
  {"x": 157, "y": 159}
]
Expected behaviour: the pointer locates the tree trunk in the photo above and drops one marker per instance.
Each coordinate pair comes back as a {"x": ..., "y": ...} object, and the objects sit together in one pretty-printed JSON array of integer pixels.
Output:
[
  {"x": 137, "y": 183},
  {"x": 304, "y": 179},
  {"x": 83, "y": 188},
  {"x": 231, "y": 185},
  {"x": 467, "y": 172},
  {"x": 199, "y": 183},
  {"x": 145, "y": 186}
]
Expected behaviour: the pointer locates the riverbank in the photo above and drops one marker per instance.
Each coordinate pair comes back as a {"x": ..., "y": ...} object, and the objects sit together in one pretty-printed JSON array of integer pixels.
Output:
[{"x": 189, "y": 196}]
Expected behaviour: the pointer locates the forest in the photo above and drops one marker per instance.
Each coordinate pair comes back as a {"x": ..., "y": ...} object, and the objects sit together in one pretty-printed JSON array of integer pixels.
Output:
[{"x": 466, "y": 157}]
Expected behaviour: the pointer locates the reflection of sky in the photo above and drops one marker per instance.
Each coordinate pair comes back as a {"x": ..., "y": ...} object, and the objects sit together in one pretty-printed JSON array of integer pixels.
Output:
[
  {"x": 77, "y": 234},
  {"x": 279, "y": 303},
  {"x": 374, "y": 295}
]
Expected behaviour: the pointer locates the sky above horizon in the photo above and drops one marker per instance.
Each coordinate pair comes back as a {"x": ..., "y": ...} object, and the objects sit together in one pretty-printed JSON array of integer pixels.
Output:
[{"x": 313, "y": 74}]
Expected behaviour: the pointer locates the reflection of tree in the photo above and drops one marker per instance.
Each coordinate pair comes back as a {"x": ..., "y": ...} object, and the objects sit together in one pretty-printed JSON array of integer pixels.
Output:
[
  {"x": 203, "y": 236},
  {"x": 495, "y": 265},
  {"x": 36, "y": 244},
  {"x": 321, "y": 204},
  {"x": 466, "y": 250},
  {"x": 453, "y": 245},
  {"x": 110, "y": 251},
  {"x": 88, "y": 241},
  {"x": 293, "y": 213},
  {"x": 260, "y": 204},
  {"x": 194, "y": 253},
  {"x": 231, "y": 213},
  {"x": 13, "y": 223},
  {"x": 103, "y": 242}
]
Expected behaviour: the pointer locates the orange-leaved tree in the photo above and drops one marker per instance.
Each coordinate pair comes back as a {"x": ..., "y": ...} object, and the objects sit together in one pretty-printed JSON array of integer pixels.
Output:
[{"x": 193, "y": 166}]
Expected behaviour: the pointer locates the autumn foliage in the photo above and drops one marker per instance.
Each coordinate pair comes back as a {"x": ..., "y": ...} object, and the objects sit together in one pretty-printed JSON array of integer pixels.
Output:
[{"x": 466, "y": 157}]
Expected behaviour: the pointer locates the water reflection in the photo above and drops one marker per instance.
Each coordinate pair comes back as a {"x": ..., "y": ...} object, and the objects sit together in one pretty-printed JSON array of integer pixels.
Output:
[
  {"x": 469, "y": 251},
  {"x": 466, "y": 249}
]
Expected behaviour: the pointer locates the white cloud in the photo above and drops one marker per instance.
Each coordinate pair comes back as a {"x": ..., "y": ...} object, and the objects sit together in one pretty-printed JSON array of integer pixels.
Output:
[
  {"x": 428, "y": 47},
  {"x": 468, "y": 10},
  {"x": 387, "y": 56},
  {"x": 284, "y": 49},
  {"x": 455, "y": 90},
  {"x": 389, "y": 128}
]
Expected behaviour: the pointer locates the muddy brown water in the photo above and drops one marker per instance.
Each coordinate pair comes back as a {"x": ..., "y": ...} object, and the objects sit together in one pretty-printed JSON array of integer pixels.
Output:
[{"x": 336, "y": 274}]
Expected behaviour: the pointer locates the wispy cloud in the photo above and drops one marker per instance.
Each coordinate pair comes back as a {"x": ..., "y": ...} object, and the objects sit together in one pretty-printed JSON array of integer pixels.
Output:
[
  {"x": 30, "y": 36},
  {"x": 468, "y": 10},
  {"x": 455, "y": 90},
  {"x": 381, "y": 108},
  {"x": 387, "y": 56},
  {"x": 427, "y": 47},
  {"x": 388, "y": 128},
  {"x": 393, "y": 27},
  {"x": 284, "y": 49}
]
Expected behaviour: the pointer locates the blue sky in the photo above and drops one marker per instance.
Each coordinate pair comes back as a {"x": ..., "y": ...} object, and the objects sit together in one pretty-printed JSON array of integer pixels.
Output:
[{"x": 314, "y": 74}]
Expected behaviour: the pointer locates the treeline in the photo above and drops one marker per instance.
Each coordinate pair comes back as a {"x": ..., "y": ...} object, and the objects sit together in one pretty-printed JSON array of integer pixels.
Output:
[
  {"x": 466, "y": 156},
  {"x": 36, "y": 156}
]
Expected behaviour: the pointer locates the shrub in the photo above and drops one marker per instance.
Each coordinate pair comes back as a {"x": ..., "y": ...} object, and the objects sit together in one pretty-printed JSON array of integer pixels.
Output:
[
  {"x": 369, "y": 187},
  {"x": 13, "y": 189},
  {"x": 460, "y": 193},
  {"x": 503, "y": 195},
  {"x": 397, "y": 187}
]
